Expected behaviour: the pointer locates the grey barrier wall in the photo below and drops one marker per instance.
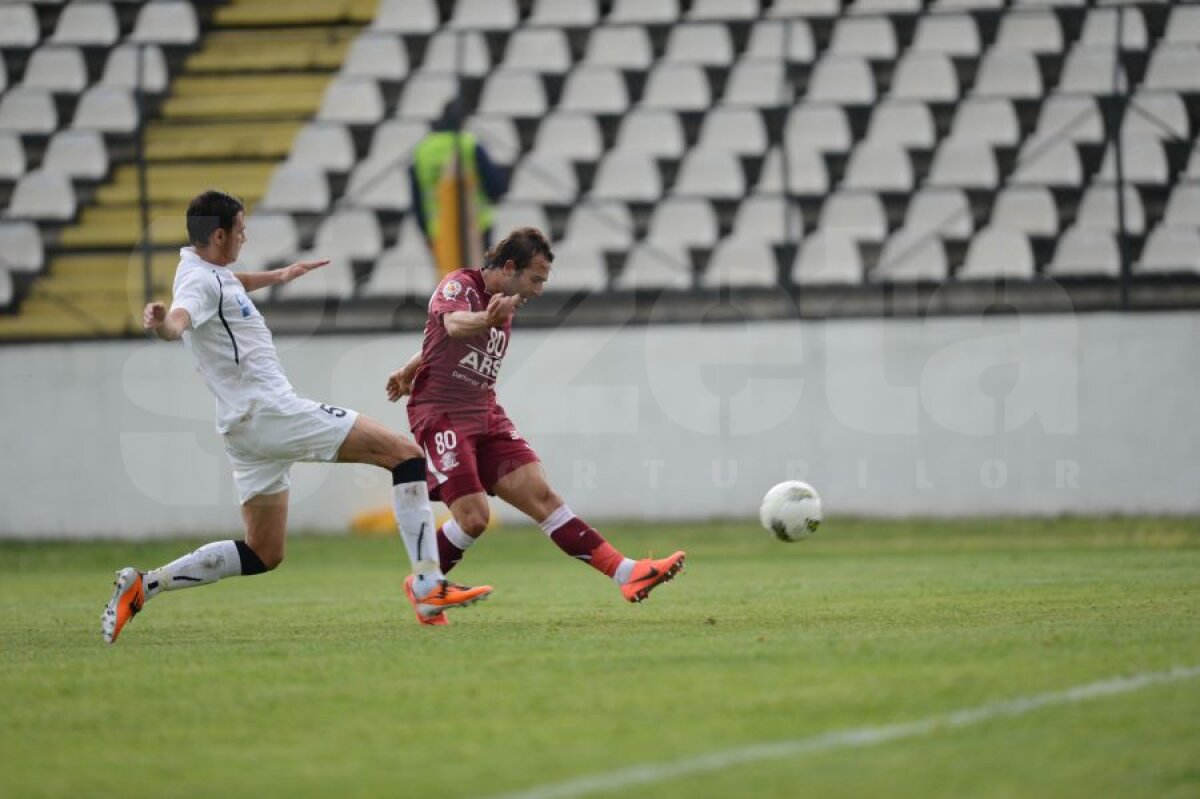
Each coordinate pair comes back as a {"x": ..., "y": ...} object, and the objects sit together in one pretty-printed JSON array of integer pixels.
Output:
[{"x": 1020, "y": 415}]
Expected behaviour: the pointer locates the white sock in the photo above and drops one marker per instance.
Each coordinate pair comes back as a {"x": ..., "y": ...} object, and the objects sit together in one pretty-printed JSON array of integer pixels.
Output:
[
  {"x": 415, "y": 519},
  {"x": 207, "y": 564},
  {"x": 621, "y": 575},
  {"x": 455, "y": 535},
  {"x": 556, "y": 519}
]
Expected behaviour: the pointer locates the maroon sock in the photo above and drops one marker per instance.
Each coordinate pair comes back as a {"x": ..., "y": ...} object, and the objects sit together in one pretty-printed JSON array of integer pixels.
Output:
[
  {"x": 584, "y": 543},
  {"x": 448, "y": 554}
]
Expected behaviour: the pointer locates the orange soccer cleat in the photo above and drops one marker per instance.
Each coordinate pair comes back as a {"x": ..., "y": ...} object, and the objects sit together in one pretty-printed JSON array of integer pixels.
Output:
[
  {"x": 430, "y": 609},
  {"x": 127, "y": 599},
  {"x": 649, "y": 574}
]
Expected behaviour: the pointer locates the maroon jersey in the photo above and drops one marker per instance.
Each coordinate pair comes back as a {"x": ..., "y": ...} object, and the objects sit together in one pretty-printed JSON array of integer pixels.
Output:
[{"x": 457, "y": 376}]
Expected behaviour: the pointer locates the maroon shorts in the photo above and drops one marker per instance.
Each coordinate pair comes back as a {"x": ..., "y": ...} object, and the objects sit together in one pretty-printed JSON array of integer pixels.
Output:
[{"x": 466, "y": 457}]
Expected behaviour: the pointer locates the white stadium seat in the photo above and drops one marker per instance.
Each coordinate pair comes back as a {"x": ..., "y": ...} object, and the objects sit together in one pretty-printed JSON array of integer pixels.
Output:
[
  {"x": 333, "y": 281},
  {"x": 406, "y": 16},
  {"x": 21, "y": 247},
  {"x": 772, "y": 218},
  {"x": 741, "y": 263},
  {"x": 699, "y": 43},
  {"x": 684, "y": 220},
  {"x": 1183, "y": 208},
  {"x": 575, "y": 136},
  {"x": 868, "y": 37},
  {"x": 1074, "y": 117},
  {"x": 406, "y": 270},
  {"x": 1092, "y": 70},
  {"x": 545, "y": 179},
  {"x": 885, "y": 7},
  {"x": 1048, "y": 162},
  {"x": 325, "y": 145},
  {"x": 1029, "y": 209},
  {"x": 596, "y": 90},
  {"x": 1036, "y": 31},
  {"x": 627, "y": 176},
  {"x": 805, "y": 8},
  {"x": 950, "y": 34},
  {"x": 964, "y": 163},
  {"x": 715, "y": 174},
  {"x": 12, "y": 156},
  {"x": 724, "y": 9},
  {"x": 998, "y": 253},
  {"x": 539, "y": 49},
  {"x": 43, "y": 196},
  {"x": 806, "y": 172},
  {"x": 678, "y": 87},
  {"x": 352, "y": 232},
  {"x": 397, "y": 138},
  {"x": 656, "y": 265},
  {"x": 167, "y": 23},
  {"x": 762, "y": 84},
  {"x": 1183, "y": 26},
  {"x": 78, "y": 154},
  {"x": 845, "y": 80},
  {"x": 509, "y": 215},
  {"x": 945, "y": 212},
  {"x": 911, "y": 255},
  {"x": 925, "y": 76},
  {"x": 1144, "y": 161},
  {"x": 382, "y": 56},
  {"x": 352, "y": 101},
  {"x": 779, "y": 40},
  {"x": 120, "y": 70},
  {"x": 881, "y": 167},
  {"x": 652, "y": 131},
  {"x": 992, "y": 120},
  {"x": 270, "y": 239},
  {"x": 498, "y": 135},
  {"x": 1160, "y": 114},
  {"x": 902, "y": 122},
  {"x": 736, "y": 130},
  {"x": 1174, "y": 67},
  {"x": 828, "y": 256},
  {"x": 577, "y": 266},
  {"x": 459, "y": 52},
  {"x": 514, "y": 93},
  {"x": 644, "y": 12},
  {"x": 625, "y": 47},
  {"x": 87, "y": 25},
  {"x": 6, "y": 286},
  {"x": 56, "y": 69},
  {"x": 19, "y": 28},
  {"x": 859, "y": 213},
  {"x": 1172, "y": 249},
  {"x": 1008, "y": 73},
  {"x": 380, "y": 183},
  {"x": 491, "y": 15},
  {"x": 107, "y": 109},
  {"x": 1100, "y": 28},
  {"x": 426, "y": 94},
  {"x": 3, "y": 76},
  {"x": 1098, "y": 209},
  {"x": 28, "y": 111},
  {"x": 823, "y": 128},
  {"x": 565, "y": 13},
  {"x": 958, "y": 5},
  {"x": 1086, "y": 252},
  {"x": 300, "y": 189},
  {"x": 603, "y": 225}
]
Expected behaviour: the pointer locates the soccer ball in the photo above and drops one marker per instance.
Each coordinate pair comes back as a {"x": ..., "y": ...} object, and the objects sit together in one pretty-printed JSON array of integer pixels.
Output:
[{"x": 791, "y": 511}]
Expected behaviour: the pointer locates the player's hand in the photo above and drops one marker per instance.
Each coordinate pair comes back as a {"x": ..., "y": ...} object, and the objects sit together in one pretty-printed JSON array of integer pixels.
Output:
[
  {"x": 501, "y": 308},
  {"x": 289, "y": 273},
  {"x": 154, "y": 315},
  {"x": 399, "y": 384}
]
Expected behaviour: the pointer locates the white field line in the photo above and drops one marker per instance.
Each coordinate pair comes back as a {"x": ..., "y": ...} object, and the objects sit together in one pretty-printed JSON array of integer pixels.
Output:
[{"x": 622, "y": 778}]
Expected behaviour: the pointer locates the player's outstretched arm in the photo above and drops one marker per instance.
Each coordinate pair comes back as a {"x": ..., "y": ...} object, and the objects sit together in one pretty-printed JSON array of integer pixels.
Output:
[
  {"x": 167, "y": 326},
  {"x": 464, "y": 324},
  {"x": 252, "y": 281},
  {"x": 399, "y": 382}
]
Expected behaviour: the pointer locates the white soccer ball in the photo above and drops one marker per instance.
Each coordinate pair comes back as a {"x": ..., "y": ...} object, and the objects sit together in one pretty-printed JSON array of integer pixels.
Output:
[{"x": 791, "y": 510}]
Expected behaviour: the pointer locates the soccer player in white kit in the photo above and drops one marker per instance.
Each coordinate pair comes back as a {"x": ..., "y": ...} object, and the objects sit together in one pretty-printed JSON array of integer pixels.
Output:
[{"x": 267, "y": 427}]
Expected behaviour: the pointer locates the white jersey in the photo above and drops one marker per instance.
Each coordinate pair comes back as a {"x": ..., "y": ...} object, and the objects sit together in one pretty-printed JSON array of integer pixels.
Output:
[{"x": 233, "y": 348}]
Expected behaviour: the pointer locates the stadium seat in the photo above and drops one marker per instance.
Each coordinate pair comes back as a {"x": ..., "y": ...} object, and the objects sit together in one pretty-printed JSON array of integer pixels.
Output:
[
  {"x": 867, "y": 37},
  {"x": 1029, "y": 209},
  {"x": 627, "y": 176},
  {"x": 715, "y": 174},
  {"x": 43, "y": 196},
  {"x": 1175, "y": 67},
  {"x": 735, "y": 130},
  {"x": 28, "y": 111},
  {"x": 1098, "y": 209},
  {"x": 498, "y": 135},
  {"x": 761, "y": 84},
  {"x": 771, "y": 218},
  {"x": 325, "y": 145},
  {"x": 885, "y": 7},
  {"x": 954, "y": 35},
  {"x": 108, "y": 110},
  {"x": 565, "y": 13},
  {"x": 575, "y": 136},
  {"x": 959, "y": 5},
  {"x": 458, "y": 52},
  {"x": 806, "y": 173},
  {"x": 270, "y": 239},
  {"x": 805, "y": 8},
  {"x": 651, "y": 131},
  {"x": 626, "y": 47},
  {"x": 19, "y": 28},
  {"x": 1008, "y": 73},
  {"x": 1074, "y": 117},
  {"x": 1145, "y": 162},
  {"x": 381, "y": 184},
  {"x": 644, "y": 12},
  {"x": 509, "y": 215},
  {"x": 380, "y": 56},
  {"x": 880, "y": 167},
  {"x": 908, "y": 124},
  {"x": 1036, "y": 31},
  {"x": 3, "y": 76},
  {"x": 21, "y": 246},
  {"x": 352, "y": 232},
  {"x": 1171, "y": 249},
  {"x": 823, "y": 128},
  {"x": 6, "y": 287},
  {"x": 352, "y": 101},
  {"x": 490, "y": 15},
  {"x": 425, "y": 95},
  {"x": 56, "y": 69},
  {"x": 1160, "y": 114},
  {"x": 120, "y": 71},
  {"x": 577, "y": 266},
  {"x": 1183, "y": 26},
  {"x": 78, "y": 154},
  {"x": 545, "y": 179},
  {"x": 704, "y": 43},
  {"x": 1193, "y": 165},
  {"x": 991, "y": 120},
  {"x": 406, "y": 16},
  {"x": 514, "y": 93},
  {"x": 167, "y": 23},
  {"x": 1100, "y": 29},
  {"x": 542, "y": 50},
  {"x": 911, "y": 256},
  {"x": 925, "y": 76},
  {"x": 334, "y": 281},
  {"x": 678, "y": 87},
  {"x": 741, "y": 263},
  {"x": 998, "y": 253},
  {"x": 406, "y": 270},
  {"x": 1086, "y": 252},
  {"x": 657, "y": 265},
  {"x": 87, "y": 25},
  {"x": 844, "y": 80},
  {"x": 296, "y": 188},
  {"x": 595, "y": 90},
  {"x": 684, "y": 220},
  {"x": 12, "y": 156},
  {"x": 945, "y": 212},
  {"x": 602, "y": 225},
  {"x": 964, "y": 163},
  {"x": 828, "y": 256},
  {"x": 1048, "y": 162},
  {"x": 790, "y": 40},
  {"x": 395, "y": 139},
  {"x": 1183, "y": 208},
  {"x": 1092, "y": 70},
  {"x": 859, "y": 213},
  {"x": 724, "y": 9}
]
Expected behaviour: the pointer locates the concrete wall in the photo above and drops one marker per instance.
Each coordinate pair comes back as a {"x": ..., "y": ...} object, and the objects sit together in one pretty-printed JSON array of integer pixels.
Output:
[{"x": 951, "y": 416}]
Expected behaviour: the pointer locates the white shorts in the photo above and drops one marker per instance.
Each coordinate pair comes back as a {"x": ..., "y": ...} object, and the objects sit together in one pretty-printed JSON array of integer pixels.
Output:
[{"x": 263, "y": 448}]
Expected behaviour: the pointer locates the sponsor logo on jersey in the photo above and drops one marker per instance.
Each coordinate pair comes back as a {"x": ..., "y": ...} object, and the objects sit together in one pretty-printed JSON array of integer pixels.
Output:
[
  {"x": 482, "y": 365},
  {"x": 244, "y": 303},
  {"x": 451, "y": 289}
]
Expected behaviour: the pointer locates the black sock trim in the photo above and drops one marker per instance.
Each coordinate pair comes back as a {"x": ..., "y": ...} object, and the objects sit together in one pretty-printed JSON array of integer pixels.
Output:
[
  {"x": 251, "y": 562},
  {"x": 409, "y": 471}
]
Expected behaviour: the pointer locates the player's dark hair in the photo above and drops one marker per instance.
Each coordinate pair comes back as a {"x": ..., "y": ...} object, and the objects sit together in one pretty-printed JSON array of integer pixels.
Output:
[
  {"x": 209, "y": 212},
  {"x": 521, "y": 247}
]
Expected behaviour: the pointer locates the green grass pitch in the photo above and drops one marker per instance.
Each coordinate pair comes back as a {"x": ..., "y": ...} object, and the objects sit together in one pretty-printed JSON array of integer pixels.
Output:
[{"x": 314, "y": 681}]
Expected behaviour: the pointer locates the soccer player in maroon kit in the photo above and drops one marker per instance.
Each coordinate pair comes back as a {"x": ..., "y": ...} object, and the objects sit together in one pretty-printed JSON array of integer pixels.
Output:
[{"x": 472, "y": 447}]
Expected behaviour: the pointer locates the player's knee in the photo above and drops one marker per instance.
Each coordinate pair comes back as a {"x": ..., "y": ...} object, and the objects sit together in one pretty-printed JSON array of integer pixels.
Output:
[
  {"x": 473, "y": 523},
  {"x": 403, "y": 450}
]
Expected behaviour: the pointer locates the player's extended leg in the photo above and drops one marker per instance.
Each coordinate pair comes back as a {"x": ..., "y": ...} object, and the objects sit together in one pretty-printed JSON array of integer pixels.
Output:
[
  {"x": 468, "y": 520},
  {"x": 373, "y": 443},
  {"x": 265, "y": 518},
  {"x": 527, "y": 490}
]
